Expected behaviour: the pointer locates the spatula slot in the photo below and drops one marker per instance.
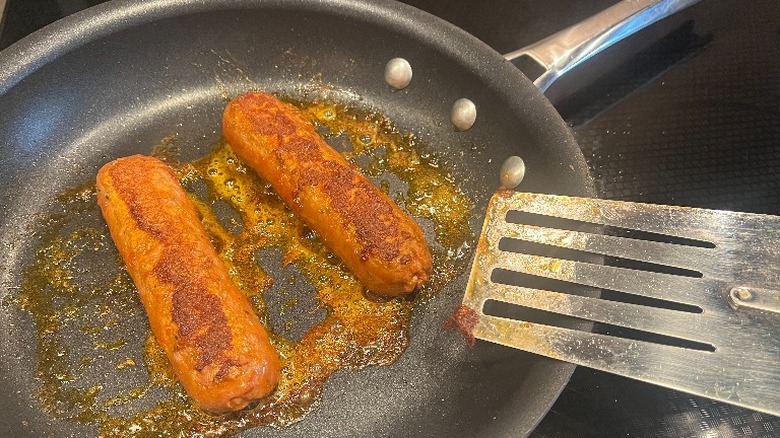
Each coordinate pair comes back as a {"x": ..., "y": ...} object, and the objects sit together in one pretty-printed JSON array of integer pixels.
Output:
[
  {"x": 612, "y": 295},
  {"x": 651, "y": 267},
  {"x": 540, "y": 220},
  {"x": 513, "y": 278},
  {"x": 537, "y": 316},
  {"x": 511, "y": 244},
  {"x": 638, "y": 335}
]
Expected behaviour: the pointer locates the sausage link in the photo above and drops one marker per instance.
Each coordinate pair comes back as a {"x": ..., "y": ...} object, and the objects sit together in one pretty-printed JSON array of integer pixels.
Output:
[
  {"x": 218, "y": 347},
  {"x": 376, "y": 240}
]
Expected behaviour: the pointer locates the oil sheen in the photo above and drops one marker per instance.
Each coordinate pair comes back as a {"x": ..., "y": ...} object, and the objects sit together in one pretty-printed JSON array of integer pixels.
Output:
[{"x": 91, "y": 334}]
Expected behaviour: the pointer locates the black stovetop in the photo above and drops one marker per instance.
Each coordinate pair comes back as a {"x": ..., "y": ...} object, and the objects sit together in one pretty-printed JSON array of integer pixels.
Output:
[{"x": 693, "y": 119}]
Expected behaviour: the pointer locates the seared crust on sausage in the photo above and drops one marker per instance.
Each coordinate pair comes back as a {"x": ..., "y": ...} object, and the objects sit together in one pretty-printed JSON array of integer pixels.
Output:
[
  {"x": 378, "y": 242},
  {"x": 218, "y": 347}
]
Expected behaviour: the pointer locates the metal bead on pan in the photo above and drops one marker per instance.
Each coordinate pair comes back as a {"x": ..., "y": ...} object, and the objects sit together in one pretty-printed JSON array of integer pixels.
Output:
[
  {"x": 512, "y": 172},
  {"x": 464, "y": 114},
  {"x": 398, "y": 73}
]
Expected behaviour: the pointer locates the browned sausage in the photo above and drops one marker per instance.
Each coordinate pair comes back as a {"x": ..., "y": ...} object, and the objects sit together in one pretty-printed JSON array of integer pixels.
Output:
[
  {"x": 217, "y": 345},
  {"x": 377, "y": 241}
]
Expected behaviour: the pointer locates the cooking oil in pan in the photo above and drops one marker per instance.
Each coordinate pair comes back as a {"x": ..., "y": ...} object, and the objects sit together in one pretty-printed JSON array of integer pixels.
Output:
[{"x": 83, "y": 341}]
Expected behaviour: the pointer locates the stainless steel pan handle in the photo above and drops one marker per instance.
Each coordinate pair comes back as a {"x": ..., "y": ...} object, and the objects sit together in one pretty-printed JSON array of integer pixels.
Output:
[{"x": 561, "y": 52}]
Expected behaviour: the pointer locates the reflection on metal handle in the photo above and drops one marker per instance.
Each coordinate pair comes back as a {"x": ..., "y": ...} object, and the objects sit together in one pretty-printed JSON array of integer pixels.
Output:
[{"x": 570, "y": 47}]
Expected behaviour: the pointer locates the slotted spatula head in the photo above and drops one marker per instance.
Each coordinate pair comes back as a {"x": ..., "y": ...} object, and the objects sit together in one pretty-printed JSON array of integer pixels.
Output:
[{"x": 689, "y": 297}]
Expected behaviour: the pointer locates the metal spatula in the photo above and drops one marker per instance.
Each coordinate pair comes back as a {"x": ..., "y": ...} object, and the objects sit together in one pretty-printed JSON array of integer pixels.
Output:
[{"x": 689, "y": 296}]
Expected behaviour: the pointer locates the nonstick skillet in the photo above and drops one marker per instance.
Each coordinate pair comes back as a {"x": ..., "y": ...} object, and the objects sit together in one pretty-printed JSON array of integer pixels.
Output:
[{"x": 116, "y": 79}]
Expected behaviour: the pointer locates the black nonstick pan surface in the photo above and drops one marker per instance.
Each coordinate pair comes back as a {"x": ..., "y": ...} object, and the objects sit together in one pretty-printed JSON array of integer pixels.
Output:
[{"x": 118, "y": 78}]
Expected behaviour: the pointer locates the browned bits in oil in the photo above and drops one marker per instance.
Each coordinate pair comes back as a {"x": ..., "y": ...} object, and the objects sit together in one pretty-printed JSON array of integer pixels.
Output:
[
  {"x": 355, "y": 333},
  {"x": 464, "y": 318}
]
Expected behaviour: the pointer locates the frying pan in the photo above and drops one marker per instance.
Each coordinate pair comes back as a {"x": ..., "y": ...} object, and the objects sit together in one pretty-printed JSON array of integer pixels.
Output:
[{"x": 115, "y": 79}]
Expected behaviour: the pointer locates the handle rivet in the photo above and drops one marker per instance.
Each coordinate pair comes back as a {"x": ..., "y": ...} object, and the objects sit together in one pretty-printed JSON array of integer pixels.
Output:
[
  {"x": 742, "y": 294},
  {"x": 512, "y": 172},
  {"x": 398, "y": 73},
  {"x": 464, "y": 114}
]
